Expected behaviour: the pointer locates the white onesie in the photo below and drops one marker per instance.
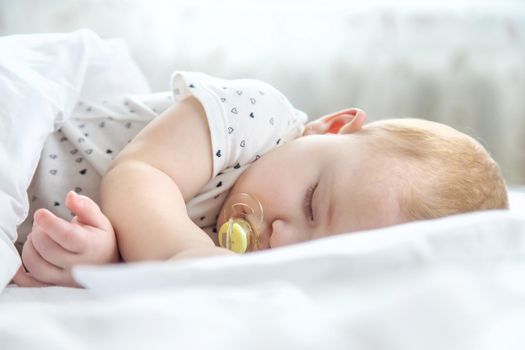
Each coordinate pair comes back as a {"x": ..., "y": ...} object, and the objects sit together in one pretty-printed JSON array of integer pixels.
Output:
[{"x": 247, "y": 118}]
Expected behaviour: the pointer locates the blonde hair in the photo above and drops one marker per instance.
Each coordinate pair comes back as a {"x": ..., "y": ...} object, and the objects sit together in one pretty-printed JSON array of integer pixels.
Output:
[{"x": 443, "y": 171}]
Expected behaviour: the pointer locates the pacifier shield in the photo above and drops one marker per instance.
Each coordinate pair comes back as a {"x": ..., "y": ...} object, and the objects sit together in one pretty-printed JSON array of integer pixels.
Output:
[
  {"x": 243, "y": 218},
  {"x": 235, "y": 235}
]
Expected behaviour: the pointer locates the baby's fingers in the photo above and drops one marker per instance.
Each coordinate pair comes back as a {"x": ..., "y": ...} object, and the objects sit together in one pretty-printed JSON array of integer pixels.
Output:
[
  {"x": 24, "y": 279},
  {"x": 50, "y": 250},
  {"x": 68, "y": 235},
  {"x": 40, "y": 269}
]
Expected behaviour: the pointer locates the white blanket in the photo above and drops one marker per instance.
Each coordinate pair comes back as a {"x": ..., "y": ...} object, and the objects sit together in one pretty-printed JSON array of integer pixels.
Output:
[{"x": 41, "y": 78}]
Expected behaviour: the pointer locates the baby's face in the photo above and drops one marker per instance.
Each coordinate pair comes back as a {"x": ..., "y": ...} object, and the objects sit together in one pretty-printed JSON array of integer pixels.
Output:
[{"x": 351, "y": 190}]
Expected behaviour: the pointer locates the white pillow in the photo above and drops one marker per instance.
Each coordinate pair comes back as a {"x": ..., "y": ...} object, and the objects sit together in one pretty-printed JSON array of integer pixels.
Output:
[
  {"x": 517, "y": 200},
  {"x": 41, "y": 78}
]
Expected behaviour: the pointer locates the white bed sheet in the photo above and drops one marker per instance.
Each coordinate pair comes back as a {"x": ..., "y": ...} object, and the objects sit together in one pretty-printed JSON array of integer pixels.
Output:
[{"x": 452, "y": 283}]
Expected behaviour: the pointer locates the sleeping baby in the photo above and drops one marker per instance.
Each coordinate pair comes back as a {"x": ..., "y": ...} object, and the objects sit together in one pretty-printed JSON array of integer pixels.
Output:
[{"x": 221, "y": 166}]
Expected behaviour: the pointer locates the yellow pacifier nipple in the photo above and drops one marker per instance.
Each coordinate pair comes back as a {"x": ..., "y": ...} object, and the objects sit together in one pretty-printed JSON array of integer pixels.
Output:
[{"x": 241, "y": 232}]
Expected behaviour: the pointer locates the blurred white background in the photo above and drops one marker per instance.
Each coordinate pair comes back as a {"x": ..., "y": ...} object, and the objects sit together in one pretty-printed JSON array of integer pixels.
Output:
[{"x": 459, "y": 62}]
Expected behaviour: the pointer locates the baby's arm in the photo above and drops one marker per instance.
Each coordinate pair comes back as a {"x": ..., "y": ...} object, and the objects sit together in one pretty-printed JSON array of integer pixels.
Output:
[{"x": 145, "y": 190}]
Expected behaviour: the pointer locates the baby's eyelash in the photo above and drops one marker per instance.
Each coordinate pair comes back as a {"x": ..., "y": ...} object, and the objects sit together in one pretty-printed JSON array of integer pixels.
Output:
[{"x": 308, "y": 201}]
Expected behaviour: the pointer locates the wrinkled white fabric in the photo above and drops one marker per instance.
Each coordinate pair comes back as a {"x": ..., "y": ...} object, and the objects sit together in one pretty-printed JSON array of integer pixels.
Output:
[{"x": 41, "y": 78}]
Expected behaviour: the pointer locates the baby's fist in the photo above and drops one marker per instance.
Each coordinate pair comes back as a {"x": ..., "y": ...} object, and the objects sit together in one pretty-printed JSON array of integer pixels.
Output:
[{"x": 55, "y": 245}]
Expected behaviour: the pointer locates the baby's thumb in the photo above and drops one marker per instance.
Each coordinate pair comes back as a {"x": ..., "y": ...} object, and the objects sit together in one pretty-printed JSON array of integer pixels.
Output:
[{"x": 86, "y": 210}]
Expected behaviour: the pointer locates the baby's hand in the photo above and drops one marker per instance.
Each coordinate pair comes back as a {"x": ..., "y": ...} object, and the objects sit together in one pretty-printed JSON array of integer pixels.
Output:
[{"x": 54, "y": 245}]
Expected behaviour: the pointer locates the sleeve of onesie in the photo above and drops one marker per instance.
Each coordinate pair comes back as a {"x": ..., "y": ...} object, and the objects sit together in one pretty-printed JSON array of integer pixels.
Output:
[{"x": 246, "y": 117}]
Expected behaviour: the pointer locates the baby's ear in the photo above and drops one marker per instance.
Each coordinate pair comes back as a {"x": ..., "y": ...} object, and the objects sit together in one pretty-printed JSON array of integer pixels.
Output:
[{"x": 344, "y": 122}]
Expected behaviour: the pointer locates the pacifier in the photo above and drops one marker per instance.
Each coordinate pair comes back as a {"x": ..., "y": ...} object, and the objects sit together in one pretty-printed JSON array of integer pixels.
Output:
[{"x": 243, "y": 224}]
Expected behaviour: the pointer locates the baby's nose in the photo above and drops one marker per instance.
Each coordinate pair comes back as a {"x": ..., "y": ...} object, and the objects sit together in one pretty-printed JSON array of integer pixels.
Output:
[{"x": 284, "y": 233}]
